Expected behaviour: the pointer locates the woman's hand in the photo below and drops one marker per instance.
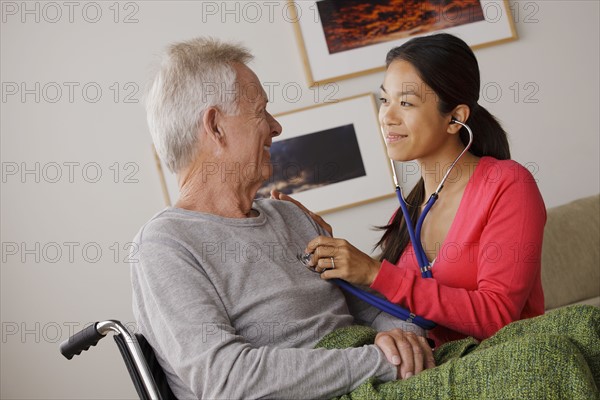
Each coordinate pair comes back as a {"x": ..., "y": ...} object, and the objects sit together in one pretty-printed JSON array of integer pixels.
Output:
[
  {"x": 277, "y": 195},
  {"x": 336, "y": 258},
  {"x": 410, "y": 353}
]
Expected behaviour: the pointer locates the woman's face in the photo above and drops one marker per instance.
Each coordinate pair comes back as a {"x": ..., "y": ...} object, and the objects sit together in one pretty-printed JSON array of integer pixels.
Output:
[{"x": 412, "y": 125}]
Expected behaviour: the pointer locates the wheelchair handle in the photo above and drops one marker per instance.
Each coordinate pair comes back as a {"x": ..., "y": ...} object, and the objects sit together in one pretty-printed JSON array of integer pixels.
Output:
[
  {"x": 81, "y": 341},
  {"x": 91, "y": 335}
]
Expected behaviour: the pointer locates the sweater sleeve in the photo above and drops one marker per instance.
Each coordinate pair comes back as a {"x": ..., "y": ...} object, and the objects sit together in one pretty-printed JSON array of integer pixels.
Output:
[
  {"x": 180, "y": 312},
  {"x": 508, "y": 265}
]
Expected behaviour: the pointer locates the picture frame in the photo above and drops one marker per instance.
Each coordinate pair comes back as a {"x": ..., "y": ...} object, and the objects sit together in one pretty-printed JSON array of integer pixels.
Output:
[
  {"x": 345, "y": 155},
  {"x": 329, "y": 157},
  {"x": 344, "y": 46}
]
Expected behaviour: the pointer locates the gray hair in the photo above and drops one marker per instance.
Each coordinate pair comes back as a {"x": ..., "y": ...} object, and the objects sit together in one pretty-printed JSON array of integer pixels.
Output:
[{"x": 193, "y": 76}]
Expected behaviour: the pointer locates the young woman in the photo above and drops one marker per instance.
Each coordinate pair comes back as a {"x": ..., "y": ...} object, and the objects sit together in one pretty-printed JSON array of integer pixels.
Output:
[{"x": 483, "y": 236}]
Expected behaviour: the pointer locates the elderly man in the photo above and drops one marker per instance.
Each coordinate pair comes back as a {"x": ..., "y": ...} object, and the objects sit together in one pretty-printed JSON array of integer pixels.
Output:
[{"x": 218, "y": 290}]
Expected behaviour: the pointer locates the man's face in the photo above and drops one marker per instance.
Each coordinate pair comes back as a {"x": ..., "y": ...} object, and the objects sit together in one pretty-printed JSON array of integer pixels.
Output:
[{"x": 249, "y": 134}]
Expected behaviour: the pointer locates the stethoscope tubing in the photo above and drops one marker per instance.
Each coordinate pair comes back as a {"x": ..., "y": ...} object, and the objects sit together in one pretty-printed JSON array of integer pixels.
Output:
[
  {"x": 415, "y": 234},
  {"x": 385, "y": 305},
  {"x": 415, "y": 239}
]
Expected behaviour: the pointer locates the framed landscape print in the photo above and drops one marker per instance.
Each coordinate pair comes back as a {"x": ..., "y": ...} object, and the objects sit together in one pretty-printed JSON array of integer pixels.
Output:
[
  {"x": 341, "y": 39},
  {"x": 331, "y": 156}
]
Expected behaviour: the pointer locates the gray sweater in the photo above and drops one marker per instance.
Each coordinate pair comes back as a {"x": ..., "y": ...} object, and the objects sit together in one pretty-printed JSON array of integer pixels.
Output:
[{"x": 232, "y": 314}]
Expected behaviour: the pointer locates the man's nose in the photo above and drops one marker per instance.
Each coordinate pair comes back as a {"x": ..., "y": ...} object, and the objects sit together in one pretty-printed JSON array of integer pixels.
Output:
[{"x": 276, "y": 128}]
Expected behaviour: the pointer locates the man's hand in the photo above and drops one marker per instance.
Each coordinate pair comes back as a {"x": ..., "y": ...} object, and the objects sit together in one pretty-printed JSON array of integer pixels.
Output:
[{"x": 410, "y": 353}]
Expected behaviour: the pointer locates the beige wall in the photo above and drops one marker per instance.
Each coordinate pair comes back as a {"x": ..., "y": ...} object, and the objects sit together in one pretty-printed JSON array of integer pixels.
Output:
[{"x": 83, "y": 212}]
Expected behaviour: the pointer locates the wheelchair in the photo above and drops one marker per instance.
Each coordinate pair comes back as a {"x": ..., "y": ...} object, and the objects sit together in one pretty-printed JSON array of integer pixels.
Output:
[{"x": 146, "y": 373}]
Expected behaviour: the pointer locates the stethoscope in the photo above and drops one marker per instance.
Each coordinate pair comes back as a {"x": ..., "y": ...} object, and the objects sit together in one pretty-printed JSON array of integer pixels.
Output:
[{"x": 415, "y": 238}]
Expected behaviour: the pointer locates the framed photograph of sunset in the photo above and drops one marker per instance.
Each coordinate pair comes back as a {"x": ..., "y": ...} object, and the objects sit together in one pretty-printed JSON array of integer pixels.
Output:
[
  {"x": 331, "y": 156},
  {"x": 341, "y": 39}
]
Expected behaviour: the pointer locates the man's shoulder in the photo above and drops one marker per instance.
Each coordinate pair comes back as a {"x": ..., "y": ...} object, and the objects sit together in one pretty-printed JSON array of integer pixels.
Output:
[
  {"x": 286, "y": 212},
  {"x": 278, "y": 206},
  {"x": 165, "y": 222}
]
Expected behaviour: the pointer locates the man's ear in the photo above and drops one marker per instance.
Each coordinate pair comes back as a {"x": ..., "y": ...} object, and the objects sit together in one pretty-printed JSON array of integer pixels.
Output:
[
  {"x": 211, "y": 124},
  {"x": 461, "y": 113}
]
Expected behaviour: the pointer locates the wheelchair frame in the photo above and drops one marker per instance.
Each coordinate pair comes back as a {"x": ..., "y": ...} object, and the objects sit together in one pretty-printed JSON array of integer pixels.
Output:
[{"x": 145, "y": 372}]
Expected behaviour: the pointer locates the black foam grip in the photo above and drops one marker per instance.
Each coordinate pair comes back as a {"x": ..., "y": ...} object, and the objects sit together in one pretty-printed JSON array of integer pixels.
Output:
[{"x": 80, "y": 341}]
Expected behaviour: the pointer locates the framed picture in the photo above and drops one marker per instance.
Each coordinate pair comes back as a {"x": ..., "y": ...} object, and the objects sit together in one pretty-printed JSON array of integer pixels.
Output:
[
  {"x": 341, "y": 39},
  {"x": 329, "y": 157}
]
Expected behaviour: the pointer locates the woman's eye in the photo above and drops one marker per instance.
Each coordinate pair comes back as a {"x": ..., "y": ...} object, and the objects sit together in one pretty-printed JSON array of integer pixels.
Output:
[
  {"x": 383, "y": 100},
  {"x": 405, "y": 104}
]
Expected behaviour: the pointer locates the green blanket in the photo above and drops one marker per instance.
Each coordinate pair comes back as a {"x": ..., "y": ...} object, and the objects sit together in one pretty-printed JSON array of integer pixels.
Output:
[{"x": 554, "y": 356}]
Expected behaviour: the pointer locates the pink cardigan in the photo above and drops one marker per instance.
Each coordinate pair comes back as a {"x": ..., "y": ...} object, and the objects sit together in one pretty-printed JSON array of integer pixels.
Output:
[{"x": 488, "y": 270}]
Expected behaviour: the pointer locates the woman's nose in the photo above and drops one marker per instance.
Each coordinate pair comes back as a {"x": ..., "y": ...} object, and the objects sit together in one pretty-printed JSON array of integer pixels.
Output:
[{"x": 389, "y": 116}]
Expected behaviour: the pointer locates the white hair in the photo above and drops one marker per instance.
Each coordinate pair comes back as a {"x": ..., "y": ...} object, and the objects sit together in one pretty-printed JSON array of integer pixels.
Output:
[{"x": 193, "y": 76}]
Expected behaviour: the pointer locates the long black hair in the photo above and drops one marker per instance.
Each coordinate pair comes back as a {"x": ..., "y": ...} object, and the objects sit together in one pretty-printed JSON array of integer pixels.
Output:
[{"x": 448, "y": 66}]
